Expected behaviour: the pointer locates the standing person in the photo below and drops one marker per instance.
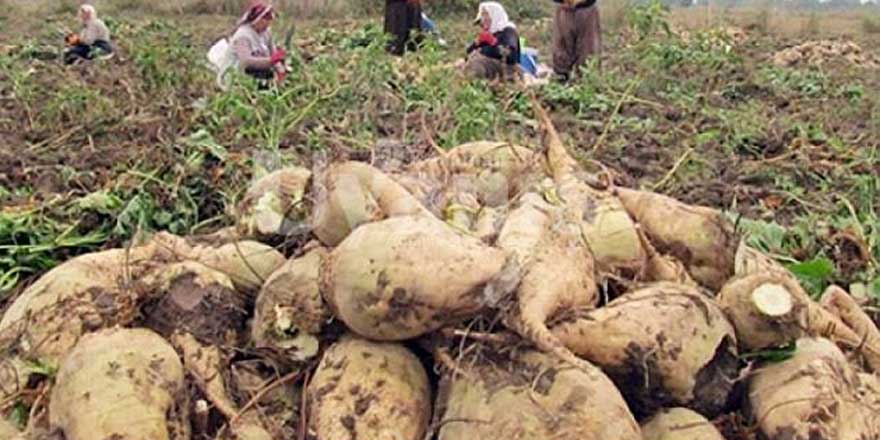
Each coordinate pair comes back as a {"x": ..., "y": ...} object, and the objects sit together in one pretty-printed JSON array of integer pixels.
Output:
[
  {"x": 496, "y": 52},
  {"x": 252, "y": 44},
  {"x": 403, "y": 18},
  {"x": 577, "y": 35},
  {"x": 95, "y": 37}
]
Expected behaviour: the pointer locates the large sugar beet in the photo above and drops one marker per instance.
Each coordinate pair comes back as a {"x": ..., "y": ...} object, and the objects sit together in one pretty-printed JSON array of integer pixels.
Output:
[
  {"x": 290, "y": 311},
  {"x": 767, "y": 310},
  {"x": 841, "y": 305},
  {"x": 771, "y": 310},
  {"x": 533, "y": 397},
  {"x": 557, "y": 266},
  {"x": 369, "y": 390},
  {"x": 665, "y": 344},
  {"x": 406, "y": 276},
  {"x": 679, "y": 424},
  {"x": 117, "y": 384},
  {"x": 814, "y": 395},
  {"x": 350, "y": 194},
  {"x": 605, "y": 224},
  {"x": 699, "y": 237},
  {"x": 83, "y": 294},
  {"x": 274, "y": 204}
]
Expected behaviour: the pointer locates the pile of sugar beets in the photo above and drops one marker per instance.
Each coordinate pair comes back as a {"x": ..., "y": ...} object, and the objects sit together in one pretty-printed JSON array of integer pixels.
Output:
[{"x": 490, "y": 292}]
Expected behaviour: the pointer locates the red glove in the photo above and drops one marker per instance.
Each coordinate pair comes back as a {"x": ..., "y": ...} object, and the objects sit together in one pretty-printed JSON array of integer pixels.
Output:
[
  {"x": 281, "y": 76},
  {"x": 487, "y": 38},
  {"x": 278, "y": 56}
]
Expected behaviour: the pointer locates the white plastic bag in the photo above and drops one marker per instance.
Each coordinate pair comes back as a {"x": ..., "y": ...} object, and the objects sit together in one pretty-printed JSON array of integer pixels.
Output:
[{"x": 221, "y": 58}]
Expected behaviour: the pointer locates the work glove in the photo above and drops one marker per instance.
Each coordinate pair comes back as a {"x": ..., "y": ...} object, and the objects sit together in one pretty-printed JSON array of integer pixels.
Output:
[
  {"x": 487, "y": 38},
  {"x": 278, "y": 56},
  {"x": 72, "y": 39}
]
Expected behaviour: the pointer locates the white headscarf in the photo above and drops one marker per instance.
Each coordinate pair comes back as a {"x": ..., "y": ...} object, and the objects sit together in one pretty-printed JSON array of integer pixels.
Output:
[
  {"x": 497, "y": 14},
  {"x": 89, "y": 9}
]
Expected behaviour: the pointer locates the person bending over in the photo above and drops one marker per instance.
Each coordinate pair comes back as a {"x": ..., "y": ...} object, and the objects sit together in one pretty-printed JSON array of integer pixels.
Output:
[{"x": 253, "y": 47}]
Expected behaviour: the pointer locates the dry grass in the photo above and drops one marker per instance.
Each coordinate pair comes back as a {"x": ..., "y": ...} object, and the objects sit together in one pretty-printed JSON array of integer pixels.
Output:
[
  {"x": 871, "y": 24},
  {"x": 782, "y": 23}
]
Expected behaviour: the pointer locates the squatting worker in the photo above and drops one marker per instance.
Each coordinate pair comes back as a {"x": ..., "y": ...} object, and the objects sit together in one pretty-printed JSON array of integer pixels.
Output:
[
  {"x": 496, "y": 51},
  {"x": 577, "y": 35},
  {"x": 252, "y": 44},
  {"x": 94, "y": 39},
  {"x": 403, "y": 20}
]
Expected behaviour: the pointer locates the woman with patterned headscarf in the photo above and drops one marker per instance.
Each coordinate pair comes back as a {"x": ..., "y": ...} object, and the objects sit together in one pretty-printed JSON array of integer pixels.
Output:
[
  {"x": 94, "y": 38},
  {"x": 496, "y": 51},
  {"x": 252, "y": 44}
]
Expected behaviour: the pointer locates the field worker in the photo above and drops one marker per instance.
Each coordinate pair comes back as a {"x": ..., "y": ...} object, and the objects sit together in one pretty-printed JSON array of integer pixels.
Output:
[
  {"x": 577, "y": 35},
  {"x": 93, "y": 40},
  {"x": 496, "y": 51},
  {"x": 252, "y": 45},
  {"x": 403, "y": 20}
]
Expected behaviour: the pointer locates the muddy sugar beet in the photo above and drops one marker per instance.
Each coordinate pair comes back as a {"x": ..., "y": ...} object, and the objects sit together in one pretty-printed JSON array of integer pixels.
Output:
[
  {"x": 557, "y": 266},
  {"x": 192, "y": 297},
  {"x": 701, "y": 238},
  {"x": 679, "y": 424},
  {"x": 369, "y": 390},
  {"x": 290, "y": 312},
  {"x": 815, "y": 394},
  {"x": 532, "y": 396},
  {"x": 84, "y": 294},
  {"x": 117, "y": 383},
  {"x": 406, "y": 276},
  {"x": 274, "y": 205},
  {"x": 664, "y": 344}
]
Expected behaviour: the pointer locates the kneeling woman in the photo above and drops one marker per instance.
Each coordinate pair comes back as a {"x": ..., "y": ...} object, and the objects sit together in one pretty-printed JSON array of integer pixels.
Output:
[
  {"x": 496, "y": 52},
  {"x": 252, "y": 44},
  {"x": 94, "y": 38}
]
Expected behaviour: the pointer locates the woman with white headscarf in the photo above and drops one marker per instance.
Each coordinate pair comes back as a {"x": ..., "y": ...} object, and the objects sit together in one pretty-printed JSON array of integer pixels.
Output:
[
  {"x": 93, "y": 39},
  {"x": 496, "y": 51}
]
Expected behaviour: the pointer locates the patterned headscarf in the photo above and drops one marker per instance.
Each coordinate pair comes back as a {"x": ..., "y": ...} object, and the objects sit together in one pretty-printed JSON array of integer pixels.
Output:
[{"x": 257, "y": 11}]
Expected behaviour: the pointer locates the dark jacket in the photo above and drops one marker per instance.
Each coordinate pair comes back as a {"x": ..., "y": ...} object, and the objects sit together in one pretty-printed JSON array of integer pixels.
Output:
[
  {"x": 508, "y": 42},
  {"x": 402, "y": 20}
]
